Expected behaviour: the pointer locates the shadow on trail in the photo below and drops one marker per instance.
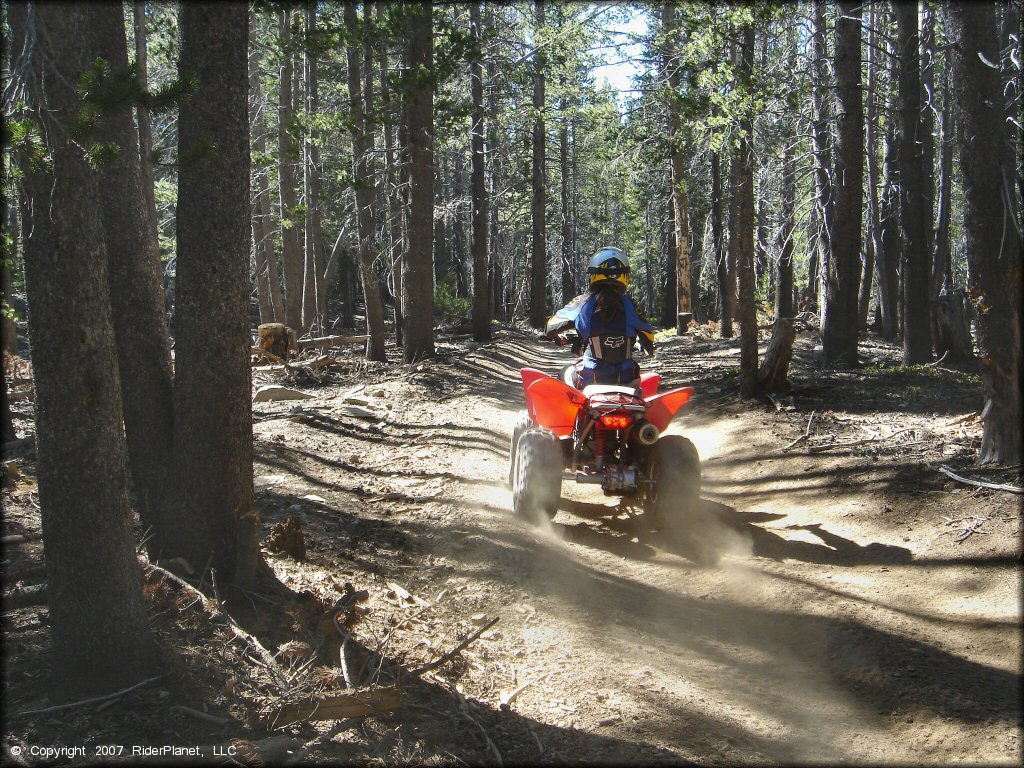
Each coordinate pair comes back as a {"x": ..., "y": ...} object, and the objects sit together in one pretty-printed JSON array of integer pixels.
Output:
[{"x": 834, "y": 653}]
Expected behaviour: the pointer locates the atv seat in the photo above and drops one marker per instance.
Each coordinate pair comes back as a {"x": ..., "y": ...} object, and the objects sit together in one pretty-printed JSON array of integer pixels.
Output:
[{"x": 610, "y": 389}]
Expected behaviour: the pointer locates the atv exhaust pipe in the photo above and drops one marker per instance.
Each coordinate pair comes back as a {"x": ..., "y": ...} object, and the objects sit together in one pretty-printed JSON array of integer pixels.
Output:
[{"x": 646, "y": 433}]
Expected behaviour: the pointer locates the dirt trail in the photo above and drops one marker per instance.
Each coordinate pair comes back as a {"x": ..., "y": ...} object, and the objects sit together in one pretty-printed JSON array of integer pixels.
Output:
[{"x": 844, "y": 622}]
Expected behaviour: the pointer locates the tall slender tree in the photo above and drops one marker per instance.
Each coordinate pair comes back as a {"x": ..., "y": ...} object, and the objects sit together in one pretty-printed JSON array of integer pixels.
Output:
[
  {"x": 136, "y": 291},
  {"x": 314, "y": 294},
  {"x": 145, "y": 142},
  {"x": 480, "y": 201},
  {"x": 746, "y": 312},
  {"x": 680, "y": 203},
  {"x": 538, "y": 250},
  {"x": 213, "y": 390},
  {"x": 291, "y": 237},
  {"x": 992, "y": 242},
  {"x": 360, "y": 103},
  {"x": 100, "y": 639},
  {"x": 917, "y": 343},
  {"x": 417, "y": 287},
  {"x": 842, "y": 275},
  {"x": 823, "y": 171}
]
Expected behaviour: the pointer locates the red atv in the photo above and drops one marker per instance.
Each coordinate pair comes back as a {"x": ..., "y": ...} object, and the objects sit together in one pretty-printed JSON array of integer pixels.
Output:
[{"x": 605, "y": 435}]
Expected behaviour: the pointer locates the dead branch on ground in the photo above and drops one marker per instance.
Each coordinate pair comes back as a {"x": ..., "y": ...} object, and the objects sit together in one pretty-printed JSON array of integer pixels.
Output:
[{"x": 979, "y": 483}]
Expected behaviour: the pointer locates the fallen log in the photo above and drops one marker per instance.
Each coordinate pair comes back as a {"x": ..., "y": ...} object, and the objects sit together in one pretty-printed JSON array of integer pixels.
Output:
[{"x": 326, "y": 342}]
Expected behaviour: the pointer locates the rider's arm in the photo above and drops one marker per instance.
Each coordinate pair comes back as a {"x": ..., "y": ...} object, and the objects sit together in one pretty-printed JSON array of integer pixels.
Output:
[{"x": 639, "y": 327}]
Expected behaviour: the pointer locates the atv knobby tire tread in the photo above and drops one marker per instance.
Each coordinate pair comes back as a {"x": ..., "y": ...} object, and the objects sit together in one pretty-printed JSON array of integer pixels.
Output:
[
  {"x": 537, "y": 482},
  {"x": 675, "y": 499},
  {"x": 522, "y": 423}
]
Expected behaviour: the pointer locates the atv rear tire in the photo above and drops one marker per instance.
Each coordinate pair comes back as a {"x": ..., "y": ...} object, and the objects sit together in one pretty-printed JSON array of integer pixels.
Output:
[
  {"x": 522, "y": 423},
  {"x": 674, "y": 499},
  {"x": 537, "y": 476}
]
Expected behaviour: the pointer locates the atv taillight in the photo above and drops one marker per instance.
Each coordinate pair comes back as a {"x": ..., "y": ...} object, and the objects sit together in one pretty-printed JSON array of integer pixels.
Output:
[{"x": 615, "y": 421}]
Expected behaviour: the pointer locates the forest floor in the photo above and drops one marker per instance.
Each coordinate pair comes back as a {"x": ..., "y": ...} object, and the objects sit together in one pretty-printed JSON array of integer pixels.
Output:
[{"x": 866, "y": 608}]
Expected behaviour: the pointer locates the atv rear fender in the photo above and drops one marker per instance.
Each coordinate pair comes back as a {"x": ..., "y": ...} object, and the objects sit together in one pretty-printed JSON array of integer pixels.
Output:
[
  {"x": 661, "y": 408},
  {"x": 551, "y": 403}
]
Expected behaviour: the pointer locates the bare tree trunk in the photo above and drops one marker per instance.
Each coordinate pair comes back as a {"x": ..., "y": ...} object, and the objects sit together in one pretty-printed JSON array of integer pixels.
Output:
[
  {"x": 917, "y": 342},
  {"x": 363, "y": 172},
  {"x": 459, "y": 191},
  {"x": 291, "y": 243},
  {"x": 731, "y": 255},
  {"x": 137, "y": 297},
  {"x": 993, "y": 245},
  {"x": 481, "y": 304},
  {"x": 314, "y": 291},
  {"x": 746, "y": 313},
  {"x": 773, "y": 376},
  {"x": 417, "y": 288},
  {"x": 824, "y": 203},
  {"x": 680, "y": 204},
  {"x": 926, "y": 17},
  {"x": 942, "y": 258},
  {"x": 8, "y": 329},
  {"x": 670, "y": 315},
  {"x": 100, "y": 638},
  {"x": 887, "y": 255},
  {"x": 568, "y": 281},
  {"x": 213, "y": 382},
  {"x": 725, "y": 299},
  {"x": 874, "y": 233},
  {"x": 267, "y": 286},
  {"x": 840, "y": 315},
  {"x": 396, "y": 212},
  {"x": 142, "y": 115},
  {"x": 538, "y": 258}
]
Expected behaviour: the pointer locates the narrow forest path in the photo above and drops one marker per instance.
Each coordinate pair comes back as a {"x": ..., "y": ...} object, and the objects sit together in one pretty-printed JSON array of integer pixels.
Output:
[{"x": 844, "y": 623}]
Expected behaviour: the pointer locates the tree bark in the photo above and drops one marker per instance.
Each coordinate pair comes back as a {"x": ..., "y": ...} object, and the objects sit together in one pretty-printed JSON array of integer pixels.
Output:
[
  {"x": 917, "y": 342},
  {"x": 887, "y": 237},
  {"x": 212, "y": 393},
  {"x": 746, "y": 313},
  {"x": 669, "y": 314},
  {"x": 8, "y": 328},
  {"x": 417, "y": 287},
  {"x": 100, "y": 639},
  {"x": 314, "y": 294},
  {"x": 874, "y": 229},
  {"x": 363, "y": 172},
  {"x": 538, "y": 250},
  {"x": 680, "y": 204},
  {"x": 568, "y": 282},
  {"x": 725, "y": 299},
  {"x": 480, "y": 202},
  {"x": 291, "y": 241},
  {"x": 839, "y": 322},
  {"x": 824, "y": 202},
  {"x": 137, "y": 297},
  {"x": 142, "y": 116},
  {"x": 992, "y": 242},
  {"x": 396, "y": 212},
  {"x": 268, "y": 285},
  {"x": 942, "y": 256}
]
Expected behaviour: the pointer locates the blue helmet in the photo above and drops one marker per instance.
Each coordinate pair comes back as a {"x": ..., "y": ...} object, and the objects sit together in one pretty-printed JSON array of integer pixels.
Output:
[{"x": 609, "y": 266}]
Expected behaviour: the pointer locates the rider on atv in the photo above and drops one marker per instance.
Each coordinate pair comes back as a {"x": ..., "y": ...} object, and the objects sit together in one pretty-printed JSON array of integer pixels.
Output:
[{"x": 608, "y": 324}]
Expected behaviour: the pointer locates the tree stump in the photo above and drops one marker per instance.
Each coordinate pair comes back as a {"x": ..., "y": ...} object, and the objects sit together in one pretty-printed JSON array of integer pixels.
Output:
[
  {"x": 277, "y": 339},
  {"x": 773, "y": 375},
  {"x": 951, "y": 328}
]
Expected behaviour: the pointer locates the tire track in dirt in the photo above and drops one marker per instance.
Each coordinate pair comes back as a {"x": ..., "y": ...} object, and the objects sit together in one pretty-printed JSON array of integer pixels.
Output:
[{"x": 753, "y": 660}]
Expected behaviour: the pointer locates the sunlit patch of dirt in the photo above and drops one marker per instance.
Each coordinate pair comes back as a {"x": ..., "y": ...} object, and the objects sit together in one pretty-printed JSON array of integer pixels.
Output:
[{"x": 866, "y": 607}]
